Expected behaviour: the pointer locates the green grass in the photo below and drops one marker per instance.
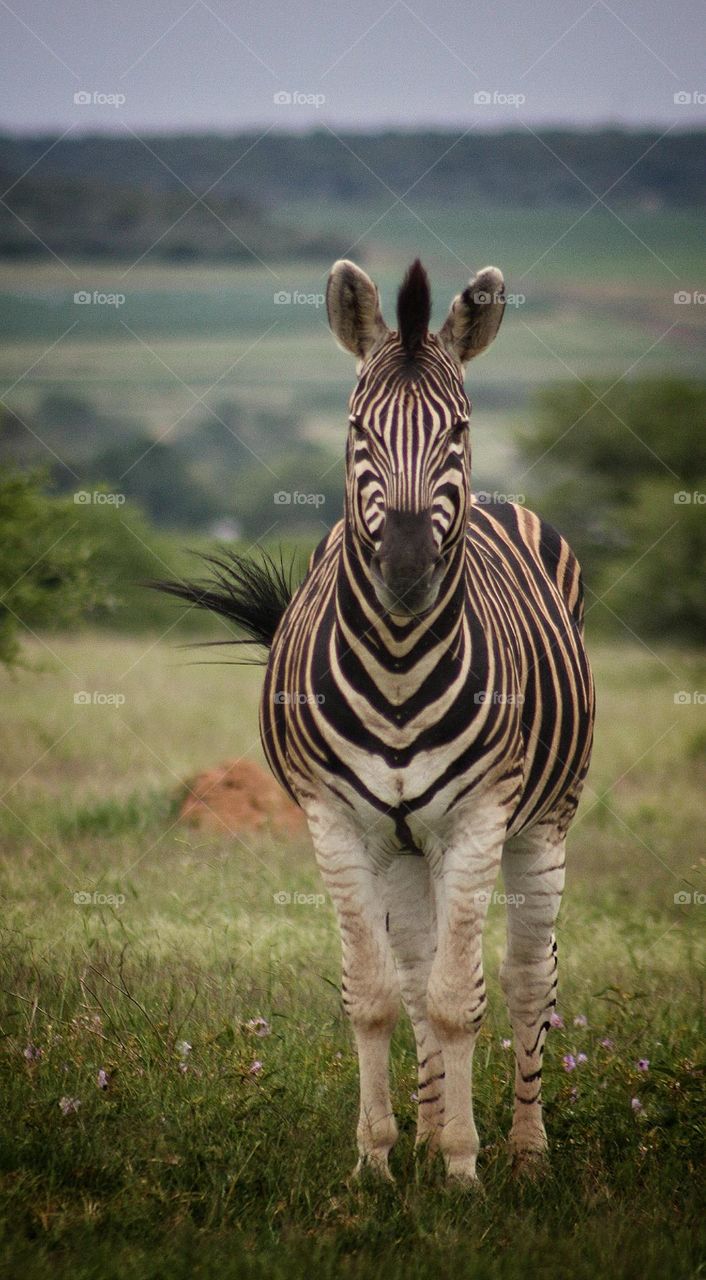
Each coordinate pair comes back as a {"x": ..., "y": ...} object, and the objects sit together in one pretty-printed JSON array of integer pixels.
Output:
[{"x": 217, "y": 1170}]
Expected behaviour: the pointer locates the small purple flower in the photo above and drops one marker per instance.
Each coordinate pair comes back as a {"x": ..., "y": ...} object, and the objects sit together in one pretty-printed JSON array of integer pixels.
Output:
[
  {"x": 636, "y": 1104},
  {"x": 258, "y": 1026},
  {"x": 32, "y": 1053},
  {"x": 574, "y": 1094},
  {"x": 607, "y": 1043},
  {"x": 581, "y": 1058},
  {"x": 580, "y": 1020},
  {"x": 183, "y": 1067},
  {"x": 555, "y": 1019},
  {"x": 569, "y": 1062},
  {"x": 183, "y": 1048},
  {"x": 414, "y": 1097},
  {"x": 643, "y": 1064},
  {"x": 506, "y": 1044},
  {"x": 103, "y": 1079},
  {"x": 69, "y": 1106},
  {"x": 256, "y": 1068}
]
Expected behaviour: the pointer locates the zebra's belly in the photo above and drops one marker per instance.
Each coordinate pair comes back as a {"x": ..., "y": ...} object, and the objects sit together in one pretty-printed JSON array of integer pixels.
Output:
[{"x": 395, "y": 819}]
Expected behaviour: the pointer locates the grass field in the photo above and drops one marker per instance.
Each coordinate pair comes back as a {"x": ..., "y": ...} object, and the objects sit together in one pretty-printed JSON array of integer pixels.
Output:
[{"x": 203, "y": 1163}]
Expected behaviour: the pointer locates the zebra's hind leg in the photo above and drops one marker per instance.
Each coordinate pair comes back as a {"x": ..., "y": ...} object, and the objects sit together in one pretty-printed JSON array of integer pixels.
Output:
[
  {"x": 533, "y": 872},
  {"x": 369, "y": 984},
  {"x": 411, "y": 925}
]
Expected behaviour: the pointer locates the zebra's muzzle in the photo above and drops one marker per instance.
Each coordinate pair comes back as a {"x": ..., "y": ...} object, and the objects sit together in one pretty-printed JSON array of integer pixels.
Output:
[{"x": 407, "y": 569}]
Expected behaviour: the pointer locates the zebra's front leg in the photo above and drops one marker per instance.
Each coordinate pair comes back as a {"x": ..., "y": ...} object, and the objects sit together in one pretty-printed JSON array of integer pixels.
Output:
[
  {"x": 369, "y": 985},
  {"x": 533, "y": 872},
  {"x": 456, "y": 1000},
  {"x": 412, "y": 930}
]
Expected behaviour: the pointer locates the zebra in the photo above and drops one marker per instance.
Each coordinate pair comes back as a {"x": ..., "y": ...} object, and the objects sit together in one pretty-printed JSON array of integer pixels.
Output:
[{"x": 428, "y": 702}]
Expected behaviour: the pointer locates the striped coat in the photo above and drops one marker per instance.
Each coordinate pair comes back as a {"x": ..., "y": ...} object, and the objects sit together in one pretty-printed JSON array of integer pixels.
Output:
[{"x": 428, "y": 701}]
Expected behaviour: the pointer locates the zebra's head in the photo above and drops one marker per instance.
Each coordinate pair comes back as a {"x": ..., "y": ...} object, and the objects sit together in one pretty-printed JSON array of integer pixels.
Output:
[{"x": 408, "y": 459}]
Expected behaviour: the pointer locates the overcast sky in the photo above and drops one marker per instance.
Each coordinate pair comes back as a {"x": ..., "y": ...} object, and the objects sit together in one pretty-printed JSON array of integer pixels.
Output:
[{"x": 218, "y": 64}]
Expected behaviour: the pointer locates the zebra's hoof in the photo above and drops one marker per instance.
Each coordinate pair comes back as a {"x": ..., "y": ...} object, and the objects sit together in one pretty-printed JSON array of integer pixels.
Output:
[
  {"x": 372, "y": 1168},
  {"x": 531, "y": 1165},
  {"x": 462, "y": 1173}
]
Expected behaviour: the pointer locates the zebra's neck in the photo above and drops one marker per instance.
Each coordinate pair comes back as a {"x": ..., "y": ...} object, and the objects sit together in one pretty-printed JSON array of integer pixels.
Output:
[{"x": 362, "y": 624}]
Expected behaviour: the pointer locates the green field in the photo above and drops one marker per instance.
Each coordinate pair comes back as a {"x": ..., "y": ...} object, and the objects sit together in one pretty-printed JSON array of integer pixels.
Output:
[
  {"x": 220, "y": 1169},
  {"x": 598, "y": 301}
]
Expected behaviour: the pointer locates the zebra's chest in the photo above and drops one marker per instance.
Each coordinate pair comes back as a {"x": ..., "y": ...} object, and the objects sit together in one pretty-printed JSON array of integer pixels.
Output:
[
  {"x": 391, "y": 737},
  {"x": 403, "y": 763}
]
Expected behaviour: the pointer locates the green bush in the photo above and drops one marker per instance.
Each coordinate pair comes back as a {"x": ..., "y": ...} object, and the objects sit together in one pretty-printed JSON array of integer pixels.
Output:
[
  {"x": 66, "y": 563},
  {"x": 663, "y": 592},
  {"x": 625, "y": 470},
  {"x": 46, "y": 576}
]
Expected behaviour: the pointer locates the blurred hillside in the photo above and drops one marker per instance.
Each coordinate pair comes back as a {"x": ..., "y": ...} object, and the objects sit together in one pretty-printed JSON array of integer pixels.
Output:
[
  {"x": 248, "y": 177},
  {"x": 108, "y": 214}
]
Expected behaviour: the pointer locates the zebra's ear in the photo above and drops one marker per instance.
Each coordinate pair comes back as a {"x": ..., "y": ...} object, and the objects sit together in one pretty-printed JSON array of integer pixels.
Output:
[
  {"x": 353, "y": 305},
  {"x": 475, "y": 315}
]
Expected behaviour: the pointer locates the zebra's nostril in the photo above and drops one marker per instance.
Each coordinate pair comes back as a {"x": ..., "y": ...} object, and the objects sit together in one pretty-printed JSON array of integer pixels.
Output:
[{"x": 404, "y": 577}]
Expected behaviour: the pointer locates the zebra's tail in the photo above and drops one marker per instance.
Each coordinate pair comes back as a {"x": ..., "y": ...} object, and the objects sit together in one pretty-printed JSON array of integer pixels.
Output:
[{"x": 253, "y": 594}]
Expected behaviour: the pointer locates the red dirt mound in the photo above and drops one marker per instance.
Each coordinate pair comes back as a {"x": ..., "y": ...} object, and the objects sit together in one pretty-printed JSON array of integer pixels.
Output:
[{"x": 239, "y": 797}]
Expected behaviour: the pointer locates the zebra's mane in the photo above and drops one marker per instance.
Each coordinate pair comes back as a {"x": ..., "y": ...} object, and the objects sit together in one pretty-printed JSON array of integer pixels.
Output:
[{"x": 414, "y": 309}]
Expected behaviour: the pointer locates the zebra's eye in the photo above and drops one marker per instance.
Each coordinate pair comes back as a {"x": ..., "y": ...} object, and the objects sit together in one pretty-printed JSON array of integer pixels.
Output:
[
  {"x": 357, "y": 428},
  {"x": 459, "y": 429}
]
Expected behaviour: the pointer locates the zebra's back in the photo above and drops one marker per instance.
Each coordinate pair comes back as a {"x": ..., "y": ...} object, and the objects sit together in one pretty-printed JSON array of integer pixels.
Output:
[{"x": 537, "y": 563}]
